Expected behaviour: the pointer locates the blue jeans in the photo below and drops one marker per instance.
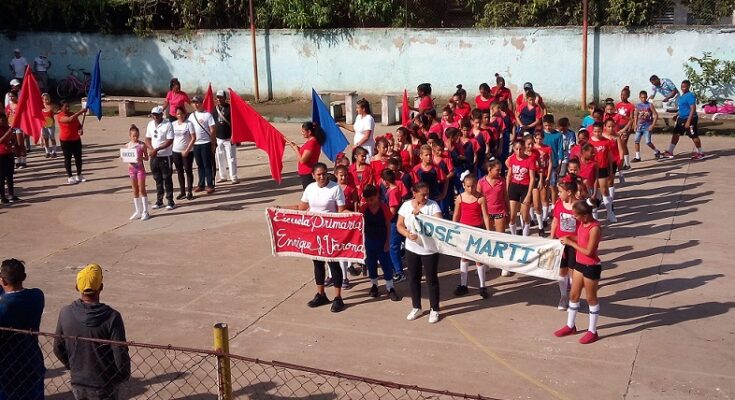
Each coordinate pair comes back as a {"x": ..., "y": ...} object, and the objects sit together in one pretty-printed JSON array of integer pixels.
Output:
[
  {"x": 374, "y": 253},
  {"x": 203, "y": 157},
  {"x": 396, "y": 240}
]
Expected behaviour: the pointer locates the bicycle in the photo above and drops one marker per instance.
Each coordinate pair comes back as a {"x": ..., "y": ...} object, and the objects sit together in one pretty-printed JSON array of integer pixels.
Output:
[{"x": 72, "y": 85}]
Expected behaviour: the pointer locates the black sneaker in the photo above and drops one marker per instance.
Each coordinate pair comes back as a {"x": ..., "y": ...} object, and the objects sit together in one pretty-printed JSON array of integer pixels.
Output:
[
  {"x": 4, "y": 200},
  {"x": 483, "y": 293},
  {"x": 541, "y": 227},
  {"x": 638, "y": 159},
  {"x": 182, "y": 196},
  {"x": 318, "y": 300},
  {"x": 393, "y": 295},
  {"x": 352, "y": 270},
  {"x": 374, "y": 291},
  {"x": 189, "y": 196},
  {"x": 626, "y": 167},
  {"x": 337, "y": 305},
  {"x": 461, "y": 290}
]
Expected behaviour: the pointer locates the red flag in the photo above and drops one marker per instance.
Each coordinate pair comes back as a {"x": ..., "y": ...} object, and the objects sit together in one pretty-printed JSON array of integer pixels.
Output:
[
  {"x": 249, "y": 126},
  {"x": 405, "y": 110},
  {"x": 29, "y": 114},
  {"x": 208, "y": 102}
]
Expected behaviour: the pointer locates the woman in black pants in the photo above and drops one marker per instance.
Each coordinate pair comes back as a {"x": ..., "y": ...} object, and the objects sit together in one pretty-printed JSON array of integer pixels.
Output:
[
  {"x": 419, "y": 259},
  {"x": 308, "y": 154},
  {"x": 70, "y": 136},
  {"x": 6, "y": 161},
  {"x": 324, "y": 196},
  {"x": 183, "y": 158}
]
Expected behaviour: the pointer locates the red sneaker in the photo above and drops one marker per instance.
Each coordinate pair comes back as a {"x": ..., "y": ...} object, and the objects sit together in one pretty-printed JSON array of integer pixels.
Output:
[
  {"x": 667, "y": 154},
  {"x": 566, "y": 331},
  {"x": 588, "y": 338},
  {"x": 697, "y": 156}
]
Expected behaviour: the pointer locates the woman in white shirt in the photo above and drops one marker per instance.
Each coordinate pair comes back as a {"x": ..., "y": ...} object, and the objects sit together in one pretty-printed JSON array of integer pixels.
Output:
[
  {"x": 324, "y": 196},
  {"x": 364, "y": 128},
  {"x": 184, "y": 139},
  {"x": 419, "y": 259},
  {"x": 204, "y": 145}
]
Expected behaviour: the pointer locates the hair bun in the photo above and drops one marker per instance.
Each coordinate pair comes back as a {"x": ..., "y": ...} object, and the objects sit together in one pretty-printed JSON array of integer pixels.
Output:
[
  {"x": 497, "y": 75},
  {"x": 627, "y": 88},
  {"x": 459, "y": 87}
]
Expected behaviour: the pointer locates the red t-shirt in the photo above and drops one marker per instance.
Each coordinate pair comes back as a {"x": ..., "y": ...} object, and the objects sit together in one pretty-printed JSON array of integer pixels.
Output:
[
  {"x": 575, "y": 152},
  {"x": 587, "y": 172},
  {"x": 361, "y": 178},
  {"x": 544, "y": 155},
  {"x": 394, "y": 196},
  {"x": 615, "y": 151},
  {"x": 566, "y": 223},
  {"x": 176, "y": 100},
  {"x": 603, "y": 151},
  {"x": 625, "y": 111},
  {"x": 349, "y": 192},
  {"x": 494, "y": 196},
  {"x": 499, "y": 94},
  {"x": 521, "y": 100},
  {"x": 438, "y": 129},
  {"x": 446, "y": 125},
  {"x": 462, "y": 110},
  {"x": 426, "y": 103},
  {"x": 481, "y": 104},
  {"x": 519, "y": 169},
  {"x": 68, "y": 131},
  {"x": 583, "y": 238},
  {"x": 378, "y": 166},
  {"x": 316, "y": 150}
]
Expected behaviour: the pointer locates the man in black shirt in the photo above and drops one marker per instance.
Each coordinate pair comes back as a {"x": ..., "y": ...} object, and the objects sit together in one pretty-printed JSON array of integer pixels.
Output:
[{"x": 226, "y": 151}]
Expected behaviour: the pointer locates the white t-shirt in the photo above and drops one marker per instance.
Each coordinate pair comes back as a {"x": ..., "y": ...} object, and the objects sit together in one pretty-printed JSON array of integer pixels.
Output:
[
  {"x": 159, "y": 134},
  {"x": 19, "y": 66},
  {"x": 361, "y": 127},
  {"x": 406, "y": 211},
  {"x": 41, "y": 64},
  {"x": 203, "y": 123},
  {"x": 323, "y": 200},
  {"x": 182, "y": 135}
]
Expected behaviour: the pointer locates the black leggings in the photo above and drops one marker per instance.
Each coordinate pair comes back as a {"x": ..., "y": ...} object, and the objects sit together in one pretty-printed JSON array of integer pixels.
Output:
[
  {"x": 430, "y": 265},
  {"x": 72, "y": 148},
  {"x": 184, "y": 166},
  {"x": 6, "y": 174},
  {"x": 320, "y": 273}
]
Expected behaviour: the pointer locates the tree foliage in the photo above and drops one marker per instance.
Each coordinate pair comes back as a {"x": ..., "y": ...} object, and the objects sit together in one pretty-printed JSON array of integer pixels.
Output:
[
  {"x": 143, "y": 16},
  {"x": 711, "y": 76}
]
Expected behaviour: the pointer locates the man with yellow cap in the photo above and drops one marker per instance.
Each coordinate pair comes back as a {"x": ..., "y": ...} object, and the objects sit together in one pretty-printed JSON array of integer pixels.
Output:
[{"x": 96, "y": 370}]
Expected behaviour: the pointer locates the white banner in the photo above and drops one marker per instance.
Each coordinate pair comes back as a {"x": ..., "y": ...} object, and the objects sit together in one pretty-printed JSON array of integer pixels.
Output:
[{"x": 532, "y": 256}]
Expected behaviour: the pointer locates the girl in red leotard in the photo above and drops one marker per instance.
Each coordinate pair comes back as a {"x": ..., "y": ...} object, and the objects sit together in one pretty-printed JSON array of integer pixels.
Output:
[{"x": 470, "y": 209}]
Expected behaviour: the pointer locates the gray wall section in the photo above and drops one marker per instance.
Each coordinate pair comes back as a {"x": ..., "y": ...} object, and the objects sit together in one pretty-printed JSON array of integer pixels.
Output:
[{"x": 374, "y": 61}]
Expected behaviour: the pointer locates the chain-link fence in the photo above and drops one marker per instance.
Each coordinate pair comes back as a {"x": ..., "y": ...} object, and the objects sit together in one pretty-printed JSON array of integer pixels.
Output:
[{"x": 33, "y": 363}]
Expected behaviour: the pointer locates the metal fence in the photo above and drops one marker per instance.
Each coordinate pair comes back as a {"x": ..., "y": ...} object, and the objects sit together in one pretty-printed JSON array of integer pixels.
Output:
[{"x": 170, "y": 372}]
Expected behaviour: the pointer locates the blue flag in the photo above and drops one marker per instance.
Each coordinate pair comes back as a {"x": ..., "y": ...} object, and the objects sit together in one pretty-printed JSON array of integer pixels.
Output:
[
  {"x": 94, "y": 96},
  {"x": 335, "y": 141}
]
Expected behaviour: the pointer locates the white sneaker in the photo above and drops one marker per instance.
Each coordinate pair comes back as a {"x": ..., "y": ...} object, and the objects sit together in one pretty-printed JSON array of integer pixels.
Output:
[
  {"x": 235, "y": 181},
  {"x": 505, "y": 273},
  {"x": 135, "y": 216},
  {"x": 221, "y": 180},
  {"x": 611, "y": 217},
  {"x": 80, "y": 178},
  {"x": 595, "y": 215},
  {"x": 415, "y": 313},
  {"x": 145, "y": 216},
  {"x": 433, "y": 317},
  {"x": 71, "y": 181},
  {"x": 563, "y": 303}
]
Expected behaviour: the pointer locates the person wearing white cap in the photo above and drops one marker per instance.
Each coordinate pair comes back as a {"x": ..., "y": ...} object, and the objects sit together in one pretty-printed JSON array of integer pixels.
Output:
[
  {"x": 14, "y": 89},
  {"x": 159, "y": 138},
  {"x": 18, "y": 65},
  {"x": 41, "y": 65},
  {"x": 226, "y": 151}
]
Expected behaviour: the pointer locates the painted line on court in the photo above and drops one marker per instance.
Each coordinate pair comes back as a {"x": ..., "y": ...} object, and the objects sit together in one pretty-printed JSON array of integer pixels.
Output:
[{"x": 504, "y": 363}]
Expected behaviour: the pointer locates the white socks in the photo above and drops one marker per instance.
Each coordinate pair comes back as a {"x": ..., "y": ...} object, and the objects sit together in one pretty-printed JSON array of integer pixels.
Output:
[
  {"x": 481, "y": 274},
  {"x": 526, "y": 229},
  {"x": 144, "y": 204},
  {"x": 343, "y": 265},
  {"x": 671, "y": 148},
  {"x": 594, "y": 315},
  {"x": 137, "y": 205},
  {"x": 539, "y": 218},
  {"x": 607, "y": 201},
  {"x": 463, "y": 269},
  {"x": 638, "y": 155},
  {"x": 374, "y": 281},
  {"x": 626, "y": 159},
  {"x": 513, "y": 229},
  {"x": 699, "y": 150},
  {"x": 572, "y": 313},
  {"x": 544, "y": 213},
  {"x": 389, "y": 285},
  {"x": 611, "y": 191},
  {"x": 563, "y": 286}
]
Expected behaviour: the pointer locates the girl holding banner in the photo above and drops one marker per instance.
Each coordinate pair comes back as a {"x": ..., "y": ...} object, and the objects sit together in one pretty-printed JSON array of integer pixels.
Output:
[
  {"x": 324, "y": 196},
  {"x": 419, "y": 259}
]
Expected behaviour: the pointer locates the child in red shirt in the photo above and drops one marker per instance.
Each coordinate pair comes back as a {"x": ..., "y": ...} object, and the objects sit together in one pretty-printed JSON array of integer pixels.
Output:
[
  {"x": 362, "y": 174},
  {"x": 470, "y": 209},
  {"x": 625, "y": 113},
  {"x": 605, "y": 160},
  {"x": 564, "y": 224},
  {"x": 380, "y": 159},
  {"x": 541, "y": 190}
]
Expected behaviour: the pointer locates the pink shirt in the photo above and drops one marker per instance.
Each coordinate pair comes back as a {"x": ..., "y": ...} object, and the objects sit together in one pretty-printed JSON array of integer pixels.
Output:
[
  {"x": 176, "y": 100},
  {"x": 494, "y": 196},
  {"x": 583, "y": 238}
]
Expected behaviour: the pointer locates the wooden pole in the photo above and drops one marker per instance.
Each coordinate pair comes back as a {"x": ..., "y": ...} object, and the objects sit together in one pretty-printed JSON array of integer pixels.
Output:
[
  {"x": 255, "y": 57},
  {"x": 584, "y": 54}
]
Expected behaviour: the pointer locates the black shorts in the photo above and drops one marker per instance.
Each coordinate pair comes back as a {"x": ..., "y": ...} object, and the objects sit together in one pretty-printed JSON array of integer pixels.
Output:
[
  {"x": 615, "y": 168},
  {"x": 497, "y": 216},
  {"x": 603, "y": 173},
  {"x": 568, "y": 257},
  {"x": 589, "y": 271},
  {"x": 517, "y": 192},
  {"x": 692, "y": 132}
]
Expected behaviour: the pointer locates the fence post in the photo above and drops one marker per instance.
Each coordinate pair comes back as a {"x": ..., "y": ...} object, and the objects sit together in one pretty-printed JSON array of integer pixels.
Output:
[{"x": 224, "y": 375}]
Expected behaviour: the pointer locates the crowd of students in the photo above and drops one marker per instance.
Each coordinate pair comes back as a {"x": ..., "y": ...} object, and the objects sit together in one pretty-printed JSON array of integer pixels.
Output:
[{"x": 482, "y": 166}]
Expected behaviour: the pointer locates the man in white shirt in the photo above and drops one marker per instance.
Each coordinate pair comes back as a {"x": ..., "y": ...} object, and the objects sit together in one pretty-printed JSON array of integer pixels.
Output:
[
  {"x": 18, "y": 65},
  {"x": 204, "y": 146},
  {"x": 41, "y": 65},
  {"x": 159, "y": 138}
]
